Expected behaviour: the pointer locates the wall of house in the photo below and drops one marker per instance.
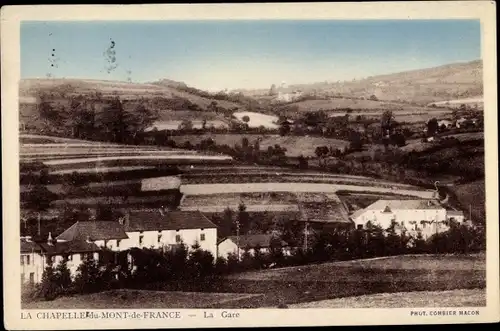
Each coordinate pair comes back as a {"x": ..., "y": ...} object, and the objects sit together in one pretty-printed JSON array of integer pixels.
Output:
[
  {"x": 32, "y": 266},
  {"x": 110, "y": 244},
  {"x": 158, "y": 239},
  {"x": 402, "y": 216},
  {"x": 226, "y": 247}
]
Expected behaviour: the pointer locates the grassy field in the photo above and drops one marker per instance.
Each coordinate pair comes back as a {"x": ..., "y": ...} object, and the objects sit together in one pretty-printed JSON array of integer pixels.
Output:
[
  {"x": 136, "y": 299},
  {"x": 295, "y": 145},
  {"x": 355, "y": 278},
  {"x": 454, "y": 298},
  {"x": 258, "y": 119}
]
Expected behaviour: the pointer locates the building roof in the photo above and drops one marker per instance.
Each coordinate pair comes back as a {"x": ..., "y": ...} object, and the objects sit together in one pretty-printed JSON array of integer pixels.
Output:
[
  {"x": 98, "y": 230},
  {"x": 29, "y": 246},
  {"x": 173, "y": 220},
  {"x": 327, "y": 211},
  {"x": 254, "y": 240},
  {"x": 68, "y": 247},
  {"x": 392, "y": 205},
  {"x": 455, "y": 213}
]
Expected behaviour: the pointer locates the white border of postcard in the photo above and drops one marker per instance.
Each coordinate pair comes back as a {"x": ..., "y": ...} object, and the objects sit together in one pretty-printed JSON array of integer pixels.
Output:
[{"x": 10, "y": 34}]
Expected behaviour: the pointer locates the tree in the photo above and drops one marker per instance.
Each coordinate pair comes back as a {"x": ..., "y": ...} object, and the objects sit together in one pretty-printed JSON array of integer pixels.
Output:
[
  {"x": 432, "y": 127},
  {"x": 355, "y": 141},
  {"x": 48, "y": 286},
  {"x": 87, "y": 278},
  {"x": 284, "y": 128},
  {"x": 186, "y": 125},
  {"x": 112, "y": 121},
  {"x": 387, "y": 123},
  {"x": 303, "y": 163},
  {"x": 398, "y": 139},
  {"x": 62, "y": 276}
]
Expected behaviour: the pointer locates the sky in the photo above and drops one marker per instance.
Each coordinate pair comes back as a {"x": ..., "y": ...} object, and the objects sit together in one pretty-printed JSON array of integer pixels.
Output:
[{"x": 217, "y": 55}]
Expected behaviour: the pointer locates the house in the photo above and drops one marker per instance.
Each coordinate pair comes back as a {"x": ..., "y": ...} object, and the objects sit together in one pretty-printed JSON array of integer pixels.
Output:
[
  {"x": 106, "y": 234},
  {"x": 36, "y": 256},
  {"x": 425, "y": 216},
  {"x": 32, "y": 261},
  {"x": 250, "y": 242},
  {"x": 447, "y": 124},
  {"x": 158, "y": 229},
  {"x": 138, "y": 229}
]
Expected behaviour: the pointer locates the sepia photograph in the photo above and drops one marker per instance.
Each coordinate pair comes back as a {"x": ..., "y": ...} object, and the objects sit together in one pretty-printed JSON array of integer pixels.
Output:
[{"x": 243, "y": 164}]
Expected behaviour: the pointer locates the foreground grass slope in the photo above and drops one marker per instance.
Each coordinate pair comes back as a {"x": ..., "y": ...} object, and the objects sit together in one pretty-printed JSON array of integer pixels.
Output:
[{"x": 454, "y": 298}]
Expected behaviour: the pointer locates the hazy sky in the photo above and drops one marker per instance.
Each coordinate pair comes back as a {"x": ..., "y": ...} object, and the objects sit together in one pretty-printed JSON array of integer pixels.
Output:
[{"x": 243, "y": 54}]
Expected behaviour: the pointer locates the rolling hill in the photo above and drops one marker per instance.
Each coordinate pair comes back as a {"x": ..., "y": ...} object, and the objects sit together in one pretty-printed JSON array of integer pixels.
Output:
[{"x": 419, "y": 87}]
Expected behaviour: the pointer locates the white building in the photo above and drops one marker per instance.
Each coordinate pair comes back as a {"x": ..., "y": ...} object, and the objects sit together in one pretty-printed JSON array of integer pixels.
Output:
[
  {"x": 425, "y": 216},
  {"x": 140, "y": 229},
  {"x": 250, "y": 242},
  {"x": 36, "y": 256}
]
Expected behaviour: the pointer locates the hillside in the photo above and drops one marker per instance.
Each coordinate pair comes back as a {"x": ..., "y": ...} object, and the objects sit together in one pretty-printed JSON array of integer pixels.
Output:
[
  {"x": 419, "y": 87},
  {"x": 165, "y": 97}
]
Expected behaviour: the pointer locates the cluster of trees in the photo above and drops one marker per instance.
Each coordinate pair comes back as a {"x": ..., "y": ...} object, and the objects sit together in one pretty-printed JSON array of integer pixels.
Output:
[
  {"x": 127, "y": 269},
  {"x": 87, "y": 118}
]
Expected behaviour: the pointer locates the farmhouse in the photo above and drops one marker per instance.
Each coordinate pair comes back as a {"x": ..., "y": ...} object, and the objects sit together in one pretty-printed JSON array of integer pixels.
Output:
[
  {"x": 36, "y": 256},
  {"x": 138, "y": 229},
  {"x": 445, "y": 123},
  {"x": 250, "y": 242},
  {"x": 425, "y": 216},
  {"x": 163, "y": 230}
]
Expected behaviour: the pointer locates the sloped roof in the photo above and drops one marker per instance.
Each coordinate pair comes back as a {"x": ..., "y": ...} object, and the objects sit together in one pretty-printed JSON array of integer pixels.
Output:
[
  {"x": 455, "y": 213},
  {"x": 67, "y": 247},
  {"x": 420, "y": 204},
  {"x": 29, "y": 246},
  {"x": 357, "y": 213},
  {"x": 327, "y": 211},
  {"x": 173, "y": 220},
  {"x": 98, "y": 230},
  {"x": 254, "y": 240}
]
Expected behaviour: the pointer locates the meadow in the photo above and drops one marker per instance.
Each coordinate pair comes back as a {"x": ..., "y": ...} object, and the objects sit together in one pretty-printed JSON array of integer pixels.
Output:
[{"x": 295, "y": 145}]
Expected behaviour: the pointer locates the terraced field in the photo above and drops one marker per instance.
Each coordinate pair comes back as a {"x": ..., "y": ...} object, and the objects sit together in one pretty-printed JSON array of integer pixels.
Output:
[
  {"x": 197, "y": 189},
  {"x": 61, "y": 154}
]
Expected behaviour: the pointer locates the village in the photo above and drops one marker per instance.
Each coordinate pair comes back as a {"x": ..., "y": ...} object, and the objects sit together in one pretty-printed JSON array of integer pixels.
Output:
[{"x": 163, "y": 230}]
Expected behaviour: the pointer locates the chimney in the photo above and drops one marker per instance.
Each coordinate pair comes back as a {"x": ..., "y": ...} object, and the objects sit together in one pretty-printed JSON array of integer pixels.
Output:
[
  {"x": 50, "y": 241},
  {"x": 161, "y": 212}
]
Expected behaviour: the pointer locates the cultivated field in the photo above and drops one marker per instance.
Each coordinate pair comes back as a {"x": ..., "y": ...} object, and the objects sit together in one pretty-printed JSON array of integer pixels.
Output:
[
  {"x": 196, "y": 189},
  {"x": 258, "y": 119}
]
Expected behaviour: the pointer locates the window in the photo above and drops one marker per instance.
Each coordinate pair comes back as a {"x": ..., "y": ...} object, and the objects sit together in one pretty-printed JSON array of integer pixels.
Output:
[
  {"x": 159, "y": 237},
  {"x": 22, "y": 259},
  {"x": 360, "y": 226},
  {"x": 70, "y": 257},
  {"x": 32, "y": 278},
  {"x": 118, "y": 243},
  {"x": 141, "y": 238},
  {"x": 27, "y": 259},
  {"x": 178, "y": 238},
  {"x": 202, "y": 237}
]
